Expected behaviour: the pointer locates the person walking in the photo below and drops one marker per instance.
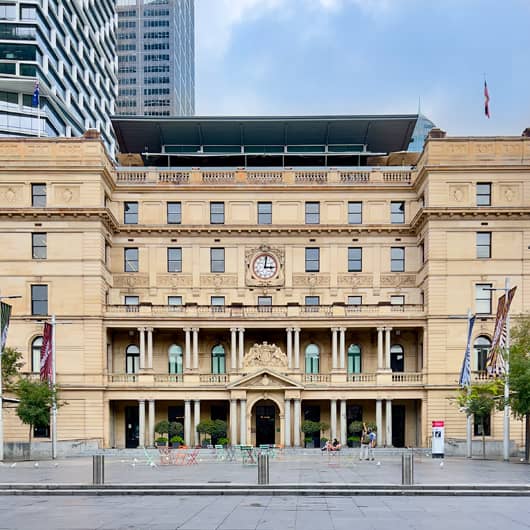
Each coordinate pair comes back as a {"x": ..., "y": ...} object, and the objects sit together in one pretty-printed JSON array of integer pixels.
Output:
[{"x": 365, "y": 442}]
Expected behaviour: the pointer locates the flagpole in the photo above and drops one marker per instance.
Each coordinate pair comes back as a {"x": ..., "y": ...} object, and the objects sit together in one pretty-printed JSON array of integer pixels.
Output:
[
  {"x": 469, "y": 418},
  {"x": 506, "y": 440},
  {"x": 54, "y": 406}
]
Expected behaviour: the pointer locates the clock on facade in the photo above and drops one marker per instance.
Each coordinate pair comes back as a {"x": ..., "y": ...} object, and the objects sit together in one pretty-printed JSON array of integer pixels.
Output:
[{"x": 265, "y": 266}]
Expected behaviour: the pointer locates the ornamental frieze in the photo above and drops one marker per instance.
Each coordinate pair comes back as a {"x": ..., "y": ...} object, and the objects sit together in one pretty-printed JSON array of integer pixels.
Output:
[
  {"x": 311, "y": 280},
  {"x": 355, "y": 280},
  {"x": 398, "y": 280},
  {"x": 131, "y": 280},
  {"x": 174, "y": 280},
  {"x": 218, "y": 280}
]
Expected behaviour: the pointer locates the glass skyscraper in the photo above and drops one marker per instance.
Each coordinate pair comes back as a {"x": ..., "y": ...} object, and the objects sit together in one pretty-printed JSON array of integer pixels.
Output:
[
  {"x": 421, "y": 131},
  {"x": 69, "y": 46},
  {"x": 156, "y": 57}
]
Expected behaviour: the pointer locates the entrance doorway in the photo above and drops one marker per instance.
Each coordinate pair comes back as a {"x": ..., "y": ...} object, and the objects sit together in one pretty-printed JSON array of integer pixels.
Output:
[
  {"x": 132, "y": 428},
  {"x": 398, "y": 425},
  {"x": 265, "y": 423}
]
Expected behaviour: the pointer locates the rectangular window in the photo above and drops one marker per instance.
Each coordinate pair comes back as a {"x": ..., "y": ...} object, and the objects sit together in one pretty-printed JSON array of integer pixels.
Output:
[
  {"x": 38, "y": 246},
  {"x": 397, "y": 212},
  {"x": 422, "y": 252},
  {"x": 312, "y": 213},
  {"x": 174, "y": 213},
  {"x": 483, "y": 298},
  {"x": 483, "y": 193},
  {"x": 130, "y": 213},
  {"x": 397, "y": 299},
  {"x": 479, "y": 425},
  {"x": 174, "y": 259},
  {"x": 217, "y": 303},
  {"x": 217, "y": 213},
  {"x": 41, "y": 432},
  {"x": 130, "y": 256},
  {"x": 39, "y": 299},
  {"x": 174, "y": 300},
  {"x": 132, "y": 300},
  {"x": 483, "y": 244},
  {"x": 312, "y": 303},
  {"x": 312, "y": 259},
  {"x": 355, "y": 259},
  {"x": 217, "y": 260},
  {"x": 264, "y": 213},
  {"x": 355, "y": 213},
  {"x": 265, "y": 303},
  {"x": 355, "y": 300},
  {"x": 397, "y": 259},
  {"x": 38, "y": 195}
]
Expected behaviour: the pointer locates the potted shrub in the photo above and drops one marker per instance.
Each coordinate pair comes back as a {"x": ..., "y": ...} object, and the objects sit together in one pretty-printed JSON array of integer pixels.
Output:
[
  {"x": 355, "y": 428},
  {"x": 175, "y": 429},
  {"x": 216, "y": 429},
  {"x": 310, "y": 428},
  {"x": 176, "y": 441},
  {"x": 223, "y": 441},
  {"x": 160, "y": 441},
  {"x": 161, "y": 428}
]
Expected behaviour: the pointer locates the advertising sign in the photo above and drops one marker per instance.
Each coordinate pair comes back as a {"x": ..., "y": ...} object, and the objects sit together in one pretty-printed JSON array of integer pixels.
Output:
[{"x": 438, "y": 439}]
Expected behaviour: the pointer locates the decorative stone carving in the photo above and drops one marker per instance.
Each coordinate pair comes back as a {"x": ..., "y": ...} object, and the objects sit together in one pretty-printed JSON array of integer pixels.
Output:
[
  {"x": 311, "y": 280},
  {"x": 131, "y": 280},
  {"x": 264, "y": 355},
  {"x": 217, "y": 281},
  {"x": 174, "y": 280},
  {"x": 458, "y": 193},
  {"x": 355, "y": 280},
  {"x": 398, "y": 280},
  {"x": 251, "y": 253},
  {"x": 10, "y": 195},
  {"x": 67, "y": 194}
]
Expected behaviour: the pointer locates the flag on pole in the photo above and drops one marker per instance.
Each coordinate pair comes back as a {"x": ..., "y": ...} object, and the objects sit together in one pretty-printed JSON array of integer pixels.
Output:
[
  {"x": 36, "y": 95},
  {"x": 46, "y": 353},
  {"x": 495, "y": 364},
  {"x": 465, "y": 373},
  {"x": 5, "y": 314},
  {"x": 486, "y": 100}
]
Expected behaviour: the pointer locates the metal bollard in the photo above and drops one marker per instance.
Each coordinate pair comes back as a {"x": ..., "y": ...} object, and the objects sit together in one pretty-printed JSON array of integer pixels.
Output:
[
  {"x": 407, "y": 469},
  {"x": 263, "y": 469},
  {"x": 98, "y": 469}
]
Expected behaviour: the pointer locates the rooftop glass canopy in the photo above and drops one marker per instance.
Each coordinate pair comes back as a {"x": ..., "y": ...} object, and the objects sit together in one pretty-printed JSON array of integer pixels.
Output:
[{"x": 260, "y": 140}]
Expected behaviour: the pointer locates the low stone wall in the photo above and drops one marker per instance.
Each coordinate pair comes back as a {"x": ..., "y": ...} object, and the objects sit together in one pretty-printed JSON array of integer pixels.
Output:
[
  {"x": 494, "y": 448},
  {"x": 43, "y": 450}
]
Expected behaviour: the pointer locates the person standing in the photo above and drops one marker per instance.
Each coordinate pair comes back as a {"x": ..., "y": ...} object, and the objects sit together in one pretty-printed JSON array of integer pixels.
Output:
[
  {"x": 372, "y": 441},
  {"x": 365, "y": 442}
]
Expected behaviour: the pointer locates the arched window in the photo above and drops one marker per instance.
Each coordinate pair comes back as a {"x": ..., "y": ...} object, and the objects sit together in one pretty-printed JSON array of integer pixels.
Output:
[
  {"x": 35, "y": 354},
  {"x": 218, "y": 359},
  {"x": 312, "y": 358},
  {"x": 132, "y": 359},
  {"x": 175, "y": 359},
  {"x": 354, "y": 359},
  {"x": 397, "y": 358},
  {"x": 482, "y": 347}
]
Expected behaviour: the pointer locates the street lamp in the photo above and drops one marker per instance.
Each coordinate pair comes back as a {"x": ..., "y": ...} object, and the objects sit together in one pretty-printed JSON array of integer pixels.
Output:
[
  {"x": 1, "y": 395},
  {"x": 506, "y": 439}
]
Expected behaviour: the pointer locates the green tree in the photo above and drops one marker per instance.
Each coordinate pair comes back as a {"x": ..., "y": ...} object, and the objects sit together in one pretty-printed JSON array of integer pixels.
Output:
[
  {"x": 11, "y": 365},
  {"x": 479, "y": 401},
  {"x": 520, "y": 376},
  {"x": 35, "y": 402}
]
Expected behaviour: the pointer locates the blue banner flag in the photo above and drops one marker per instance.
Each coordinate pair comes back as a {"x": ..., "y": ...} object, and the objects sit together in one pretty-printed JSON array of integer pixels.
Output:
[
  {"x": 36, "y": 95},
  {"x": 465, "y": 373}
]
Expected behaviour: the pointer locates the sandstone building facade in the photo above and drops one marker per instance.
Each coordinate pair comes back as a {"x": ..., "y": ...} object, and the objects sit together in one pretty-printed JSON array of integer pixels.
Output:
[{"x": 261, "y": 296}]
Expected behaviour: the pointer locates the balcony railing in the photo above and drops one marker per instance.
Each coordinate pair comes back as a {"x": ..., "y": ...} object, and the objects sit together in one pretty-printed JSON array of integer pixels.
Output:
[
  {"x": 169, "y": 378},
  {"x": 316, "y": 378},
  {"x": 260, "y": 312},
  {"x": 123, "y": 378},
  {"x": 273, "y": 177},
  {"x": 360, "y": 378},
  {"x": 407, "y": 377},
  {"x": 214, "y": 378}
]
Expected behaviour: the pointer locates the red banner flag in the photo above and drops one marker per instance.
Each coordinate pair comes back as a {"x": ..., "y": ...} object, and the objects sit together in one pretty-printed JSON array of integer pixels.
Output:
[
  {"x": 46, "y": 354},
  {"x": 486, "y": 100}
]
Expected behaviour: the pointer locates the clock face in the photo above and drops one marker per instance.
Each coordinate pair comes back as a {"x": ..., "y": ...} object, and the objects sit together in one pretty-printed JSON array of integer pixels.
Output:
[{"x": 265, "y": 266}]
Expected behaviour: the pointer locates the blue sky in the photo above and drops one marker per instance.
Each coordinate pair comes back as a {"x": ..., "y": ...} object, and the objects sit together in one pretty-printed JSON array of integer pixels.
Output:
[{"x": 367, "y": 57}]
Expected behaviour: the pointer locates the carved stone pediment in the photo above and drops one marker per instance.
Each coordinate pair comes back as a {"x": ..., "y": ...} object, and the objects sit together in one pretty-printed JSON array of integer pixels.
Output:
[
  {"x": 264, "y": 379},
  {"x": 264, "y": 355}
]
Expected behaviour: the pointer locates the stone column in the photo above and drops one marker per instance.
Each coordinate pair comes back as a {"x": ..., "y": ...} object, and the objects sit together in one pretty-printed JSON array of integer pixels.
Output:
[
  {"x": 379, "y": 421},
  {"x": 233, "y": 349},
  {"x": 380, "y": 348},
  {"x": 233, "y": 421},
  {"x": 388, "y": 422},
  {"x": 342, "y": 347},
  {"x": 187, "y": 353},
  {"x": 141, "y": 423},
  {"x": 334, "y": 348},
  {"x": 196, "y": 419},
  {"x": 149, "y": 348},
  {"x": 142, "y": 348},
  {"x": 333, "y": 418},
  {"x": 151, "y": 433},
  {"x": 343, "y": 423},
  {"x": 195, "y": 348},
  {"x": 289, "y": 347},
  {"x": 241, "y": 346},
  {"x": 187, "y": 422},
  {"x": 296, "y": 348},
  {"x": 106, "y": 424},
  {"x": 297, "y": 422},
  {"x": 387, "y": 348},
  {"x": 243, "y": 421},
  {"x": 287, "y": 435}
]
